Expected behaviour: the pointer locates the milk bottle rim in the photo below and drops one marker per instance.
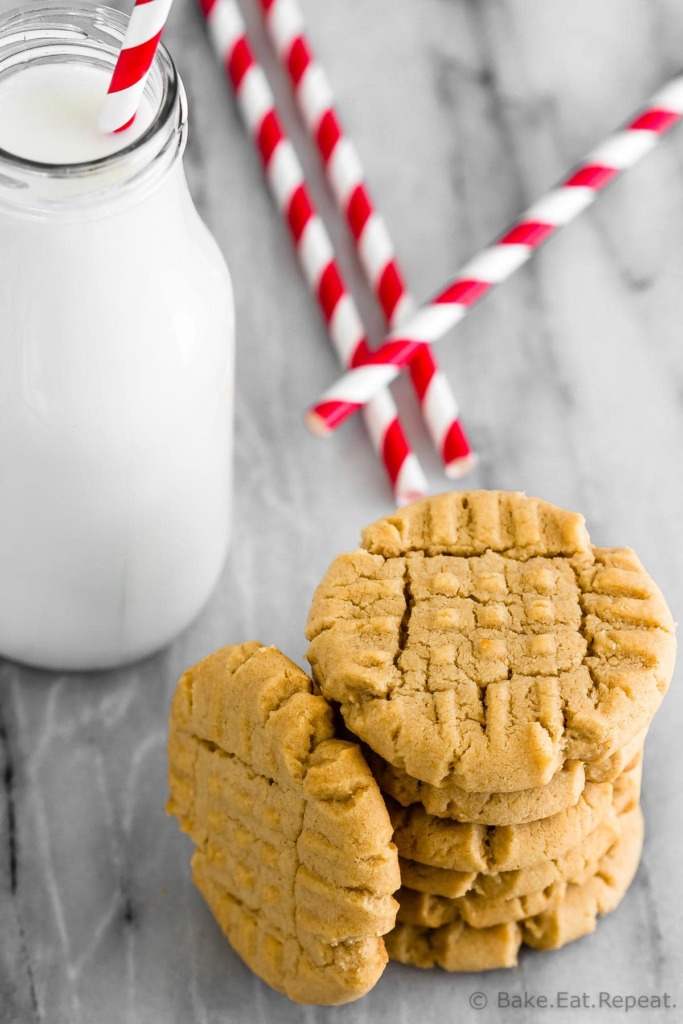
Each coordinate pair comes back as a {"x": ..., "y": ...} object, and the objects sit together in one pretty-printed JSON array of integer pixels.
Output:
[{"x": 79, "y": 32}]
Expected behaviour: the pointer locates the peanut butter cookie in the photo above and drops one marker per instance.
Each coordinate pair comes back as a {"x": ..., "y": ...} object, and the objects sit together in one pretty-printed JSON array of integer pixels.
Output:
[
  {"x": 450, "y": 801},
  {"x": 506, "y": 885},
  {"x": 577, "y": 912},
  {"x": 458, "y": 946},
  {"x": 293, "y": 840},
  {"x": 442, "y": 843},
  {"x": 479, "y": 639}
]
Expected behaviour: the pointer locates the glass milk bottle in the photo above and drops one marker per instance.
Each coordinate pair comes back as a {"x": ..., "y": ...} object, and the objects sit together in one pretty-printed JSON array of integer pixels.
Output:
[{"x": 116, "y": 356}]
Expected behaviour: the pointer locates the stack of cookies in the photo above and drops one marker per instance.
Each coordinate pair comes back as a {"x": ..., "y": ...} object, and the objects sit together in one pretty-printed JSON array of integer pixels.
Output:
[{"x": 501, "y": 674}]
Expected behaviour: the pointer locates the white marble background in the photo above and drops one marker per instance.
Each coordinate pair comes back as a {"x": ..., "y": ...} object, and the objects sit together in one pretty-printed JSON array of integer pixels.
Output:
[{"x": 571, "y": 383}]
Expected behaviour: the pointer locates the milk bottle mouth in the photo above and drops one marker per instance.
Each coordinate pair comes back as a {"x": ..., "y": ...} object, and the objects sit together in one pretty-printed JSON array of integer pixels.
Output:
[{"x": 87, "y": 35}]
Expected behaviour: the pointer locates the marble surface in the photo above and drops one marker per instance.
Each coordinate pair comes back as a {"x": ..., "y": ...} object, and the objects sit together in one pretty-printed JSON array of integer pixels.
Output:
[{"x": 571, "y": 384}]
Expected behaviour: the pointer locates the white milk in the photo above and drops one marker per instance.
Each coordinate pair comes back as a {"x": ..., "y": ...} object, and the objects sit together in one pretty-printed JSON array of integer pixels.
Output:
[
  {"x": 49, "y": 113},
  {"x": 116, "y": 393}
]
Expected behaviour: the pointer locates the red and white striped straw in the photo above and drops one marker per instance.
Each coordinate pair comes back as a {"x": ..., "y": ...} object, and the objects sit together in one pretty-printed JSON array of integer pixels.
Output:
[
  {"x": 500, "y": 260},
  {"x": 285, "y": 177},
  {"x": 139, "y": 46},
  {"x": 313, "y": 92}
]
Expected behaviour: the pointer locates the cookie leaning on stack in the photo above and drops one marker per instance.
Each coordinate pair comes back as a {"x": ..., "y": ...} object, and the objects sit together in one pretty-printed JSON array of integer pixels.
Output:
[
  {"x": 293, "y": 841},
  {"x": 502, "y": 673}
]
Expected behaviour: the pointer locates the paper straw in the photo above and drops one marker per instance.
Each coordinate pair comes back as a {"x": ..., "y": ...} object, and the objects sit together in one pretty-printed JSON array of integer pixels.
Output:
[
  {"x": 287, "y": 183},
  {"x": 313, "y": 92},
  {"x": 500, "y": 260},
  {"x": 132, "y": 67}
]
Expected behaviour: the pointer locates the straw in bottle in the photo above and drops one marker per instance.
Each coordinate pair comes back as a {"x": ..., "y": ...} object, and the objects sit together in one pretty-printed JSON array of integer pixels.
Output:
[{"x": 139, "y": 46}]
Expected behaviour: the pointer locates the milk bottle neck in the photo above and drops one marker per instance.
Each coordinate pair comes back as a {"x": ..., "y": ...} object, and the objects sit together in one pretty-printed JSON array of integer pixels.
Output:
[{"x": 82, "y": 35}]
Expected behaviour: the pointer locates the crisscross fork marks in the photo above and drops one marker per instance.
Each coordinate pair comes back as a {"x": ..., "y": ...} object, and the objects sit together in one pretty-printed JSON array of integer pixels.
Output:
[
  {"x": 293, "y": 840},
  {"x": 630, "y": 650},
  {"x": 480, "y": 676}
]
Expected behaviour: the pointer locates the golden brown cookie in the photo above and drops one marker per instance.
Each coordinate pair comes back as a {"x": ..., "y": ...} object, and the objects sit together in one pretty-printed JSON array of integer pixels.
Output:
[
  {"x": 577, "y": 913},
  {"x": 460, "y": 947},
  {"x": 512, "y": 895},
  {"x": 293, "y": 840},
  {"x": 450, "y": 801},
  {"x": 619, "y": 762},
  {"x": 455, "y": 947},
  {"x": 477, "y": 638},
  {"x": 462, "y": 848},
  {"x": 506, "y": 885},
  {"x": 435, "y": 911}
]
